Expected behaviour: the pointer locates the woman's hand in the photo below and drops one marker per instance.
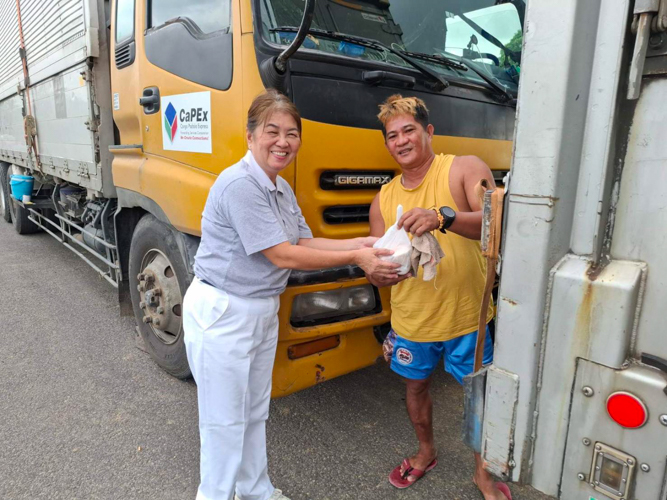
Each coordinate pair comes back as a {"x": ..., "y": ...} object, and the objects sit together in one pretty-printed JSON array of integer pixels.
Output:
[
  {"x": 369, "y": 260},
  {"x": 364, "y": 242}
]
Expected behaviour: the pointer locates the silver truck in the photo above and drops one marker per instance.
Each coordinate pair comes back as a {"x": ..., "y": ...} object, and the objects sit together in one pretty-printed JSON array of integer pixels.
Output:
[{"x": 576, "y": 400}]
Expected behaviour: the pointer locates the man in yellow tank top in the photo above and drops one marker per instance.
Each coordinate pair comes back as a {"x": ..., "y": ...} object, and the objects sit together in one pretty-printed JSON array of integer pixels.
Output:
[{"x": 433, "y": 319}]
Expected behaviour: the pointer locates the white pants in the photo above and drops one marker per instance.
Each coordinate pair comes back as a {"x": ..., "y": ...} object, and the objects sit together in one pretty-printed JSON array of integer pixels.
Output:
[{"x": 231, "y": 346}]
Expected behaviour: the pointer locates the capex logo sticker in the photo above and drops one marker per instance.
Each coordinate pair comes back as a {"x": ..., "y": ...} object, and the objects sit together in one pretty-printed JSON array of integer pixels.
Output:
[
  {"x": 404, "y": 356},
  {"x": 186, "y": 122},
  {"x": 170, "y": 121}
]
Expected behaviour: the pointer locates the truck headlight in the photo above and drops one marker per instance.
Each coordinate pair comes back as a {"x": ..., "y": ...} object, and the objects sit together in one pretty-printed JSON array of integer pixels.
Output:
[{"x": 333, "y": 305}]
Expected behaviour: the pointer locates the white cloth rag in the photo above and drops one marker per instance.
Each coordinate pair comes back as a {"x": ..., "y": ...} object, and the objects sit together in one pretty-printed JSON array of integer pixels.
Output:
[{"x": 426, "y": 252}]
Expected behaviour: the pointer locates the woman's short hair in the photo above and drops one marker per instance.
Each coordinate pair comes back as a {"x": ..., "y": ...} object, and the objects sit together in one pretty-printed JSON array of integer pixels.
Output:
[
  {"x": 398, "y": 105},
  {"x": 268, "y": 102}
]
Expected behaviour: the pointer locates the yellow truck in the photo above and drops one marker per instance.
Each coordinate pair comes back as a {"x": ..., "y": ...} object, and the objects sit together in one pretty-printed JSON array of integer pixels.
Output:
[{"x": 121, "y": 114}]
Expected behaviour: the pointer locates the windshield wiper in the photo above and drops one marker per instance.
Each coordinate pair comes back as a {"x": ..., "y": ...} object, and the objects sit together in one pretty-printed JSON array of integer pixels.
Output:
[
  {"x": 464, "y": 66},
  {"x": 445, "y": 61},
  {"x": 492, "y": 81},
  {"x": 437, "y": 82}
]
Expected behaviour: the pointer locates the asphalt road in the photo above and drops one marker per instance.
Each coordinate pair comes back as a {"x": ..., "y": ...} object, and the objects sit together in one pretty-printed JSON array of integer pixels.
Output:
[{"x": 87, "y": 415}]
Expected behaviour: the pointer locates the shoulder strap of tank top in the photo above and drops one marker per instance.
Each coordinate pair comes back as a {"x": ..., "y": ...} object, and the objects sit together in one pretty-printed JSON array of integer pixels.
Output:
[
  {"x": 386, "y": 191},
  {"x": 443, "y": 163}
]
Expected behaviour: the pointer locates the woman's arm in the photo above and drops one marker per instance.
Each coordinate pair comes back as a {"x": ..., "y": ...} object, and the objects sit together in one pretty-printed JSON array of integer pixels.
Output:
[
  {"x": 288, "y": 256},
  {"x": 338, "y": 245},
  {"x": 249, "y": 213}
]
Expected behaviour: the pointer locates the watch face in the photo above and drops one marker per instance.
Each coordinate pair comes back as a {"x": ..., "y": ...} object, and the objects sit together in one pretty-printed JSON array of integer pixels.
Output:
[
  {"x": 447, "y": 212},
  {"x": 448, "y": 215}
]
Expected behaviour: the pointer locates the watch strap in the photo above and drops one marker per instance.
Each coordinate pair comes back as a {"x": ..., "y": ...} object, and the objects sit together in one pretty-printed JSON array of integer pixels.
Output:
[{"x": 441, "y": 219}]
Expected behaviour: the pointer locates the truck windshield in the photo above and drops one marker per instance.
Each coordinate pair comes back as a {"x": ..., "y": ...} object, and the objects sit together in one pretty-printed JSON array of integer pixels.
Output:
[{"x": 484, "y": 34}]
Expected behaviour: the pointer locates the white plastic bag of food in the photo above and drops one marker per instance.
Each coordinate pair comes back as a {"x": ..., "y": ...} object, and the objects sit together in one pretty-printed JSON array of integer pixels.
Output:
[{"x": 397, "y": 240}]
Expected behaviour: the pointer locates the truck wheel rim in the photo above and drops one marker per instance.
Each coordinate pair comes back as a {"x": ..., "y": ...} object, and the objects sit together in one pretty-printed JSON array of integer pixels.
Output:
[{"x": 160, "y": 297}]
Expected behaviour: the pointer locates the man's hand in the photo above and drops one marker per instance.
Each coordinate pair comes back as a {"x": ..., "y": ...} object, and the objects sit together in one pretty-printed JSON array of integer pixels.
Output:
[
  {"x": 419, "y": 221},
  {"x": 380, "y": 281}
]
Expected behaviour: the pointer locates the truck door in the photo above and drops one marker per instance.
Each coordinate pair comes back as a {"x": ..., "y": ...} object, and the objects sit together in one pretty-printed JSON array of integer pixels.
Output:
[
  {"x": 191, "y": 102},
  {"x": 178, "y": 84}
]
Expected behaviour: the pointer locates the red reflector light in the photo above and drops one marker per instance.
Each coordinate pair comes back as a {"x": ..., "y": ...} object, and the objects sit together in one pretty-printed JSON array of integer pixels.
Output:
[{"x": 627, "y": 410}]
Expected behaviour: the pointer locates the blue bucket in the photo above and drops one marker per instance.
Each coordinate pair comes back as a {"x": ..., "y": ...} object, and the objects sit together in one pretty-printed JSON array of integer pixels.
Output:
[{"x": 21, "y": 185}]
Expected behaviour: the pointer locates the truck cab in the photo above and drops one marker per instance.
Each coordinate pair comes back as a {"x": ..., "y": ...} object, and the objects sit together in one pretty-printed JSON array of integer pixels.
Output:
[{"x": 214, "y": 57}]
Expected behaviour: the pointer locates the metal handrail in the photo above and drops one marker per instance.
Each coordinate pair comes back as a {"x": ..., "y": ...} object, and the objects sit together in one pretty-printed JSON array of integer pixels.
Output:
[
  {"x": 96, "y": 238},
  {"x": 71, "y": 237}
]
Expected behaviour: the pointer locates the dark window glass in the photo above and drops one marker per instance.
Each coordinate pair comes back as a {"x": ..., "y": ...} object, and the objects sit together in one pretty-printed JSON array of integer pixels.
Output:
[
  {"x": 484, "y": 34},
  {"x": 191, "y": 39},
  {"x": 208, "y": 15},
  {"x": 124, "y": 20}
]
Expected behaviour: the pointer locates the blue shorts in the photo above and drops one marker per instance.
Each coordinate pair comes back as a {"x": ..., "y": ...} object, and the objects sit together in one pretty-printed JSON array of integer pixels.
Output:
[{"x": 417, "y": 360}]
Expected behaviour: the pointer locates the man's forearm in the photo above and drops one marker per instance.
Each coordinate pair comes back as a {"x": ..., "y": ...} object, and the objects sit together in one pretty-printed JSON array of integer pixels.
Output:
[{"x": 468, "y": 225}]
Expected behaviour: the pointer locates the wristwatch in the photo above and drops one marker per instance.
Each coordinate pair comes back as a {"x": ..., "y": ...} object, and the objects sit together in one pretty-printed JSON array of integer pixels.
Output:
[{"x": 448, "y": 216}]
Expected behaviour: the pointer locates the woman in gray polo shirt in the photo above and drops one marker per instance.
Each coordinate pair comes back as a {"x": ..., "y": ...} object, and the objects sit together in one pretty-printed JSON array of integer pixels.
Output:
[{"x": 253, "y": 233}]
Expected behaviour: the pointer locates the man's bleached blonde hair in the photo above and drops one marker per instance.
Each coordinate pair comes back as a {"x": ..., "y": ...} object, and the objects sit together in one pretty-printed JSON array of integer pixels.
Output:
[{"x": 398, "y": 105}]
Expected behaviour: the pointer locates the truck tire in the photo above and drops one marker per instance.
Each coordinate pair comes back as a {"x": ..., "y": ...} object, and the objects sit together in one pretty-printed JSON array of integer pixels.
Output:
[
  {"x": 158, "y": 279},
  {"x": 4, "y": 194},
  {"x": 18, "y": 214}
]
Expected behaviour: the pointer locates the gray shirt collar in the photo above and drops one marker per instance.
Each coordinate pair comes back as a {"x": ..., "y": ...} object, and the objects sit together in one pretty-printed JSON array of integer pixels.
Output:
[{"x": 259, "y": 174}]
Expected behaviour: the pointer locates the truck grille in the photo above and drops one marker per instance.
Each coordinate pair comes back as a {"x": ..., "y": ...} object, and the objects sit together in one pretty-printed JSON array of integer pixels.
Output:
[{"x": 345, "y": 214}]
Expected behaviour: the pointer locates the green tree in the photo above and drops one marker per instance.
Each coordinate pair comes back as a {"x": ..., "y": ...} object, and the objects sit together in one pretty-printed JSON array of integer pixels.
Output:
[{"x": 514, "y": 45}]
